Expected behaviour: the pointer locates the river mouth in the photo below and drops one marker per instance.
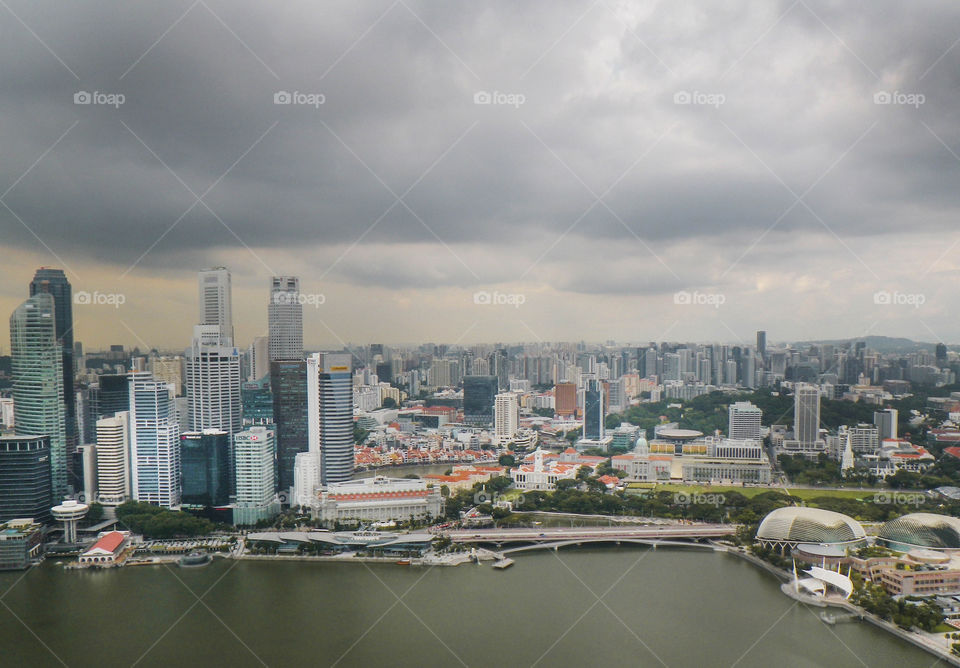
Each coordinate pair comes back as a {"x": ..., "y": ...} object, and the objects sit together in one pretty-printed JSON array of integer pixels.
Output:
[{"x": 573, "y": 607}]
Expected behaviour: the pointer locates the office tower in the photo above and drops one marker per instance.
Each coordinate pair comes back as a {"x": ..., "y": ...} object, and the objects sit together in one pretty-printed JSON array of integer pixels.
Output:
[
  {"x": 443, "y": 373},
  {"x": 154, "y": 442},
  {"x": 113, "y": 458},
  {"x": 761, "y": 343},
  {"x": 213, "y": 383},
  {"x": 25, "y": 478},
  {"x": 478, "y": 398},
  {"x": 285, "y": 319},
  {"x": 255, "y": 454},
  {"x": 886, "y": 422},
  {"x": 205, "y": 468},
  {"x": 749, "y": 369},
  {"x": 6, "y": 412},
  {"x": 616, "y": 398},
  {"x": 730, "y": 372},
  {"x": 110, "y": 394},
  {"x": 507, "y": 416},
  {"x": 565, "y": 399},
  {"x": 216, "y": 303},
  {"x": 258, "y": 358},
  {"x": 168, "y": 370},
  {"x": 54, "y": 282},
  {"x": 37, "y": 361},
  {"x": 806, "y": 413},
  {"x": 744, "y": 420},
  {"x": 88, "y": 470},
  {"x": 307, "y": 479},
  {"x": 593, "y": 410},
  {"x": 257, "y": 402},
  {"x": 288, "y": 383},
  {"x": 330, "y": 414}
]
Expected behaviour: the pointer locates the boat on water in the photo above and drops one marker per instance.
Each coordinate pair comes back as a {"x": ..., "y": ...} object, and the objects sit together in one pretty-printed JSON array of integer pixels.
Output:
[{"x": 403, "y": 562}]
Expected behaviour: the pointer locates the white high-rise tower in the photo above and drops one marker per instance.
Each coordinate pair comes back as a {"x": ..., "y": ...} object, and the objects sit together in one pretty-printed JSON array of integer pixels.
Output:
[
  {"x": 154, "y": 441},
  {"x": 285, "y": 319},
  {"x": 744, "y": 421},
  {"x": 216, "y": 303},
  {"x": 505, "y": 411}
]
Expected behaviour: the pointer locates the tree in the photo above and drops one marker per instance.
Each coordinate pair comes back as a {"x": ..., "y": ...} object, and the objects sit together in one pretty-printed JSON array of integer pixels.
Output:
[
  {"x": 95, "y": 513},
  {"x": 360, "y": 434},
  {"x": 388, "y": 402},
  {"x": 507, "y": 460}
]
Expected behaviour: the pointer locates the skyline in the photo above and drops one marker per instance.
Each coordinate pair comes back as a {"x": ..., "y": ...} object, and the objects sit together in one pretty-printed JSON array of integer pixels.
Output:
[{"x": 793, "y": 160}]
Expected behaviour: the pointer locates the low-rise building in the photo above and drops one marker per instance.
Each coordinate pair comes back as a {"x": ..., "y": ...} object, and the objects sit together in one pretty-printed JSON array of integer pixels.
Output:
[
  {"x": 543, "y": 476},
  {"x": 377, "y": 499},
  {"x": 21, "y": 542},
  {"x": 921, "y": 581},
  {"x": 109, "y": 546}
]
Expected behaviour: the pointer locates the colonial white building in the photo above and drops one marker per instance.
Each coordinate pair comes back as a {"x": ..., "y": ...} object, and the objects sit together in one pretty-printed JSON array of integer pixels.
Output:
[
  {"x": 542, "y": 476},
  {"x": 377, "y": 499}
]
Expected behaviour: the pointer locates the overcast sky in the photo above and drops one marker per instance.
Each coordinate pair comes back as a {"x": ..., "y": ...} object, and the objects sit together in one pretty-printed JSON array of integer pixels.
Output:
[{"x": 735, "y": 155}]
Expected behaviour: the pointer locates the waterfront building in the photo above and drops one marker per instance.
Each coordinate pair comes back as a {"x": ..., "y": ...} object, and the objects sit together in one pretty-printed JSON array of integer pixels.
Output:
[
  {"x": 928, "y": 531},
  {"x": 285, "y": 319},
  {"x": 254, "y": 453},
  {"x": 25, "y": 478},
  {"x": 70, "y": 513},
  {"x": 21, "y": 543},
  {"x": 154, "y": 442},
  {"x": 105, "y": 551},
  {"x": 330, "y": 414},
  {"x": 378, "y": 499},
  {"x": 37, "y": 362},
  {"x": 792, "y": 525}
]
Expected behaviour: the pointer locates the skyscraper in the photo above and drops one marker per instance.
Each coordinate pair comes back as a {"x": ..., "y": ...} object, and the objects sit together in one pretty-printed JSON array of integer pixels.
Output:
[
  {"x": 254, "y": 452},
  {"x": 54, "y": 282},
  {"x": 285, "y": 319},
  {"x": 154, "y": 442},
  {"x": 205, "y": 467},
  {"x": 744, "y": 420},
  {"x": 478, "y": 398},
  {"x": 113, "y": 458},
  {"x": 288, "y": 383},
  {"x": 216, "y": 303},
  {"x": 594, "y": 411},
  {"x": 762, "y": 344},
  {"x": 506, "y": 417},
  {"x": 213, "y": 383},
  {"x": 258, "y": 358},
  {"x": 806, "y": 413},
  {"x": 37, "y": 366},
  {"x": 565, "y": 399},
  {"x": 330, "y": 414},
  {"x": 25, "y": 484}
]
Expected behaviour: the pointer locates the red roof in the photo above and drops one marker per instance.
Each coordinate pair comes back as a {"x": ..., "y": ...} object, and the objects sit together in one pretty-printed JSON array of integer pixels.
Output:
[
  {"x": 110, "y": 542},
  {"x": 953, "y": 451}
]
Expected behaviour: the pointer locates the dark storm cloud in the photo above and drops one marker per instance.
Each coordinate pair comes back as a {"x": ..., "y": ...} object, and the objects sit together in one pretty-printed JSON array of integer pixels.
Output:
[{"x": 599, "y": 111}]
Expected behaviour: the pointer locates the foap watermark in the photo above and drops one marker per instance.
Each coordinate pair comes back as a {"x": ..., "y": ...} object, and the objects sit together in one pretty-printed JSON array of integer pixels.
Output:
[
  {"x": 499, "y": 98},
  {"x": 699, "y": 98},
  {"x": 99, "y": 98},
  {"x": 304, "y": 299},
  {"x": 886, "y": 298},
  {"x": 698, "y": 499},
  {"x": 495, "y": 498},
  {"x": 96, "y": 298},
  {"x": 899, "y": 499},
  {"x": 714, "y": 299},
  {"x": 484, "y": 298},
  {"x": 299, "y": 98},
  {"x": 899, "y": 98}
]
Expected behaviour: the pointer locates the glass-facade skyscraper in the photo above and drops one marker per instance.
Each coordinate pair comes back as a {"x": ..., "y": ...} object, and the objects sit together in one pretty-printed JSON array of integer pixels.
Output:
[
  {"x": 479, "y": 393},
  {"x": 330, "y": 414},
  {"x": 205, "y": 468},
  {"x": 288, "y": 382},
  {"x": 154, "y": 441},
  {"x": 37, "y": 365},
  {"x": 25, "y": 483}
]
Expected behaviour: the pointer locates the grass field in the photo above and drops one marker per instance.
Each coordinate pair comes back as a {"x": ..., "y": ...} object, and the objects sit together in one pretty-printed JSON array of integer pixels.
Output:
[{"x": 750, "y": 492}]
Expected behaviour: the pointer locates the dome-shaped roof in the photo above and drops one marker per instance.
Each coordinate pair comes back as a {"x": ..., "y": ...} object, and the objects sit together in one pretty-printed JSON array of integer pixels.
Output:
[
  {"x": 939, "y": 532},
  {"x": 795, "y": 524},
  {"x": 641, "y": 447}
]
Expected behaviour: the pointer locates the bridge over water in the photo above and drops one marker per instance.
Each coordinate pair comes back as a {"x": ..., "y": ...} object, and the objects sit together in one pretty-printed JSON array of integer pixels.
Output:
[{"x": 685, "y": 535}]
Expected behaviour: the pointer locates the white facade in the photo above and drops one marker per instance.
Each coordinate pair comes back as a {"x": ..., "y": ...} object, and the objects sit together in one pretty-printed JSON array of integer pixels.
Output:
[
  {"x": 744, "y": 420},
  {"x": 154, "y": 442},
  {"x": 306, "y": 479},
  {"x": 542, "y": 476},
  {"x": 213, "y": 384},
  {"x": 216, "y": 303},
  {"x": 6, "y": 411},
  {"x": 330, "y": 414},
  {"x": 378, "y": 499},
  {"x": 113, "y": 458},
  {"x": 258, "y": 357},
  {"x": 506, "y": 417},
  {"x": 254, "y": 454},
  {"x": 285, "y": 319}
]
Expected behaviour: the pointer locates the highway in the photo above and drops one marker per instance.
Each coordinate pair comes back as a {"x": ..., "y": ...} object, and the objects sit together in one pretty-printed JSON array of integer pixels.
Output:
[{"x": 550, "y": 534}]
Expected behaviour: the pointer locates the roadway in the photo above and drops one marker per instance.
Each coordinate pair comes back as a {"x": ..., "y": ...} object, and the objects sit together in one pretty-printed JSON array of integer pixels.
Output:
[{"x": 551, "y": 534}]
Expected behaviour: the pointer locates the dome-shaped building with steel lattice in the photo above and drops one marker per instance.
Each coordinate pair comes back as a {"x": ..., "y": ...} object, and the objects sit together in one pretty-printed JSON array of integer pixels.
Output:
[
  {"x": 787, "y": 527},
  {"x": 921, "y": 530}
]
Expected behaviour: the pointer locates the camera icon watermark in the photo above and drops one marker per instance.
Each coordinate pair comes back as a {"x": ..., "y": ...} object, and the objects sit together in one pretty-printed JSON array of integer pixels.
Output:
[
  {"x": 699, "y": 98},
  {"x": 698, "y": 499},
  {"x": 899, "y": 499},
  {"x": 499, "y": 99},
  {"x": 886, "y": 298},
  {"x": 304, "y": 299},
  {"x": 99, "y": 98},
  {"x": 899, "y": 98},
  {"x": 695, "y": 298},
  {"x": 484, "y": 298},
  {"x": 496, "y": 499},
  {"x": 114, "y": 299},
  {"x": 299, "y": 98}
]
